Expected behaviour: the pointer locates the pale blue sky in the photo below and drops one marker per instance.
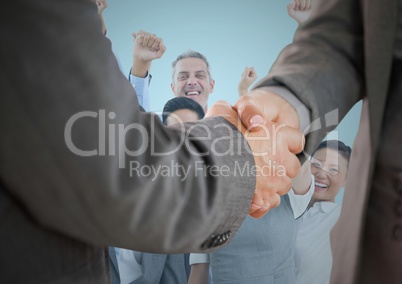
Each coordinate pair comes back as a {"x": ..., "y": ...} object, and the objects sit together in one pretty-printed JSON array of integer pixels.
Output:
[{"x": 230, "y": 33}]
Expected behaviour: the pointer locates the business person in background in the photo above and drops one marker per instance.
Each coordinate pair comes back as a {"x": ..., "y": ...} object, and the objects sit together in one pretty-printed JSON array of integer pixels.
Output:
[
  {"x": 348, "y": 51},
  {"x": 127, "y": 266},
  {"x": 66, "y": 193},
  {"x": 263, "y": 249},
  {"x": 135, "y": 267},
  {"x": 124, "y": 267},
  {"x": 191, "y": 77},
  {"x": 313, "y": 256},
  {"x": 180, "y": 110}
]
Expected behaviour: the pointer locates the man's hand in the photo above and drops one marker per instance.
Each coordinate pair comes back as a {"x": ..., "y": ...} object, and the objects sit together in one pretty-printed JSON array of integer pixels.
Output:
[
  {"x": 300, "y": 10},
  {"x": 147, "y": 47},
  {"x": 274, "y": 147},
  {"x": 247, "y": 78},
  {"x": 260, "y": 105}
]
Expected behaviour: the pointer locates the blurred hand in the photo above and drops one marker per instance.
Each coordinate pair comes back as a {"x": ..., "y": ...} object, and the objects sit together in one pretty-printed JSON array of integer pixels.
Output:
[
  {"x": 300, "y": 10},
  {"x": 274, "y": 147},
  {"x": 102, "y": 5},
  {"x": 247, "y": 79},
  {"x": 147, "y": 47}
]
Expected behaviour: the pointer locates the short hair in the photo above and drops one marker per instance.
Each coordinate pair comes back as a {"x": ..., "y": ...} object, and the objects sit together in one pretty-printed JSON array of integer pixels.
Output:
[
  {"x": 179, "y": 103},
  {"x": 336, "y": 145},
  {"x": 142, "y": 109},
  {"x": 191, "y": 54}
]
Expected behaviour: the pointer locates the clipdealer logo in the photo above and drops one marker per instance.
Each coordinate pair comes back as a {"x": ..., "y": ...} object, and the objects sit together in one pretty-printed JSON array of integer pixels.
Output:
[
  {"x": 199, "y": 169},
  {"x": 112, "y": 138},
  {"x": 101, "y": 150},
  {"x": 108, "y": 131}
]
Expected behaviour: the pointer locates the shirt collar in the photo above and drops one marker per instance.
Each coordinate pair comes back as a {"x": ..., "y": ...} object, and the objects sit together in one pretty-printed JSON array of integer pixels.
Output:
[{"x": 324, "y": 206}]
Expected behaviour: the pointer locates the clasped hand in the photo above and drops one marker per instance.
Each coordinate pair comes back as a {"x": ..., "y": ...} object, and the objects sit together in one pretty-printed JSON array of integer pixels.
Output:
[{"x": 274, "y": 140}]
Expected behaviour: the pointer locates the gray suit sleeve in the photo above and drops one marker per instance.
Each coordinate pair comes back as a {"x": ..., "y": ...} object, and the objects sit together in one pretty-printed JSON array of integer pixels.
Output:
[
  {"x": 323, "y": 66},
  {"x": 80, "y": 156},
  {"x": 302, "y": 111}
]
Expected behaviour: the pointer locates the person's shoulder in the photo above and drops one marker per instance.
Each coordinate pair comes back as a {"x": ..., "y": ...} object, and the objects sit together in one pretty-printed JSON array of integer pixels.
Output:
[
  {"x": 326, "y": 206},
  {"x": 330, "y": 208}
]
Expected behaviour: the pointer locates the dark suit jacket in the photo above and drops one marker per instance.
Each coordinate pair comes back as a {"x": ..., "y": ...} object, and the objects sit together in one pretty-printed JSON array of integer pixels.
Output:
[
  {"x": 59, "y": 209},
  {"x": 342, "y": 54}
]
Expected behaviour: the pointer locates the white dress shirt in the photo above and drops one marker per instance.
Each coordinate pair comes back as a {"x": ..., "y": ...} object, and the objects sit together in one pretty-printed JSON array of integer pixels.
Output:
[{"x": 313, "y": 257}]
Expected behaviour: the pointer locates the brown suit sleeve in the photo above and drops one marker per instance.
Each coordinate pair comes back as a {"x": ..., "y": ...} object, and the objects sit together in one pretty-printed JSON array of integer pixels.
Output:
[{"x": 72, "y": 87}]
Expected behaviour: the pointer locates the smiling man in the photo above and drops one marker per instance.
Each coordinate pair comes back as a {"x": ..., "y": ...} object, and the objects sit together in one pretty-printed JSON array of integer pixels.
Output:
[{"x": 191, "y": 77}]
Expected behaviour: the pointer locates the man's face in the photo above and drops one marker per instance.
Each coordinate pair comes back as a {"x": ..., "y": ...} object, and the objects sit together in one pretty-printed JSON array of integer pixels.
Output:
[{"x": 191, "y": 80}]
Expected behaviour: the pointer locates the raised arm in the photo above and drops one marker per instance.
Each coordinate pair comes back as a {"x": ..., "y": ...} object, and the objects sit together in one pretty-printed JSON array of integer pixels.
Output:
[
  {"x": 318, "y": 78},
  {"x": 102, "y": 5},
  {"x": 302, "y": 182},
  {"x": 248, "y": 77},
  {"x": 300, "y": 10},
  {"x": 147, "y": 47}
]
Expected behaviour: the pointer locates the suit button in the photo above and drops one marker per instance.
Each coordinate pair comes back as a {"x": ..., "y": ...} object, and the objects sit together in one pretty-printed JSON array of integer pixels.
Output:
[
  {"x": 397, "y": 233},
  {"x": 215, "y": 241},
  {"x": 398, "y": 209}
]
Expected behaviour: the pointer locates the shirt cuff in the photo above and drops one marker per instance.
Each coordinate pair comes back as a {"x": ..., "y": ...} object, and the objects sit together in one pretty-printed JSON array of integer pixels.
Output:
[
  {"x": 300, "y": 203},
  {"x": 302, "y": 110},
  {"x": 141, "y": 86},
  {"x": 196, "y": 258}
]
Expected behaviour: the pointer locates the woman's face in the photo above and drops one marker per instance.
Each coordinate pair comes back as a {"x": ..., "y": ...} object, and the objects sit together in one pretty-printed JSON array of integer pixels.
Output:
[{"x": 329, "y": 169}]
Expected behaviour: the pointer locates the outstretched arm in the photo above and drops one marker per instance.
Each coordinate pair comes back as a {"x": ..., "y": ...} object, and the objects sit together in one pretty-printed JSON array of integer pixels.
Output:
[
  {"x": 96, "y": 187},
  {"x": 322, "y": 70},
  {"x": 247, "y": 79},
  {"x": 274, "y": 147}
]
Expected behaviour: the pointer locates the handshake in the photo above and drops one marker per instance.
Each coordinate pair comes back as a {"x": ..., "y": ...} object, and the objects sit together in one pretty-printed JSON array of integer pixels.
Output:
[{"x": 271, "y": 127}]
